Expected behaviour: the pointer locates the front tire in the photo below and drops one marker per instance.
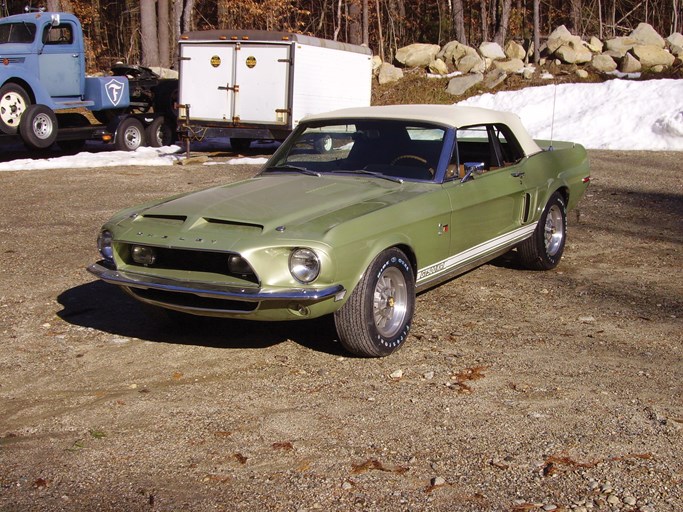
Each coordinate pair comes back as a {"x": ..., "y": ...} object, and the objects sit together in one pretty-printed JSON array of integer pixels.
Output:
[
  {"x": 544, "y": 249},
  {"x": 38, "y": 127},
  {"x": 14, "y": 101},
  {"x": 376, "y": 319},
  {"x": 160, "y": 133}
]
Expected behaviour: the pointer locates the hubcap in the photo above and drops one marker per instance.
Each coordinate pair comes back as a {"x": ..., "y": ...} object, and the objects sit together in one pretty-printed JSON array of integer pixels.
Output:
[
  {"x": 12, "y": 105},
  {"x": 42, "y": 126},
  {"x": 390, "y": 302},
  {"x": 554, "y": 230},
  {"x": 132, "y": 137}
]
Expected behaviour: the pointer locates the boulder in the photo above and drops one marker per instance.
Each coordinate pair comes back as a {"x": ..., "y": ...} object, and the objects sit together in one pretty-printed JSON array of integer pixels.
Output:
[
  {"x": 417, "y": 55},
  {"x": 595, "y": 45},
  {"x": 559, "y": 37},
  {"x": 494, "y": 78},
  {"x": 389, "y": 73},
  {"x": 376, "y": 63},
  {"x": 460, "y": 84},
  {"x": 619, "y": 46},
  {"x": 510, "y": 66},
  {"x": 471, "y": 63},
  {"x": 675, "y": 39},
  {"x": 646, "y": 35},
  {"x": 629, "y": 64},
  {"x": 453, "y": 51},
  {"x": 652, "y": 55},
  {"x": 515, "y": 50},
  {"x": 438, "y": 67},
  {"x": 582, "y": 73},
  {"x": 491, "y": 51},
  {"x": 574, "y": 52},
  {"x": 604, "y": 63},
  {"x": 528, "y": 73}
]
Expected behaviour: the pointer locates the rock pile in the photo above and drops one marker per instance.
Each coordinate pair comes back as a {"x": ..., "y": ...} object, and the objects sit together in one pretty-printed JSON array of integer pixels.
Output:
[{"x": 643, "y": 50}]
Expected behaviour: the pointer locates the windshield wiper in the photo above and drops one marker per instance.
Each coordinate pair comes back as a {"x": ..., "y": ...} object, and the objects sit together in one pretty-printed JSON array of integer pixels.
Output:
[
  {"x": 371, "y": 173},
  {"x": 288, "y": 167}
]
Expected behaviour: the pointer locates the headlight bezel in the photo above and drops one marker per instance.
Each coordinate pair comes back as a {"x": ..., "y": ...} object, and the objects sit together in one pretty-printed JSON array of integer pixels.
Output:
[
  {"x": 304, "y": 265},
  {"x": 105, "y": 245}
]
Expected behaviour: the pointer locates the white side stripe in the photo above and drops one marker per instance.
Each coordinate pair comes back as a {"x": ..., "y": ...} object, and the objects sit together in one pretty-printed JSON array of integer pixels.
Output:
[{"x": 465, "y": 257}]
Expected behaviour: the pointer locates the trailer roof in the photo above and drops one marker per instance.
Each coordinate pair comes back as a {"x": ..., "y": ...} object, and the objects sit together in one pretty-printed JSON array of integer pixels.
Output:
[{"x": 268, "y": 36}]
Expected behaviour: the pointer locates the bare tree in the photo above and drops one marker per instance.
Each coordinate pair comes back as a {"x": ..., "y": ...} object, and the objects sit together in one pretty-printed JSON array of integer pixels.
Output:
[
  {"x": 503, "y": 22},
  {"x": 148, "y": 41},
  {"x": 458, "y": 13},
  {"x": 537, "y": 31},
  {"x": 164, "y": 33}
]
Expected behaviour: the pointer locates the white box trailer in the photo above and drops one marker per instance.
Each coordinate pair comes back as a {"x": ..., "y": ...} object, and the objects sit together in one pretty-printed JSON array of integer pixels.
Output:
[{"x": 249, "y": 85}]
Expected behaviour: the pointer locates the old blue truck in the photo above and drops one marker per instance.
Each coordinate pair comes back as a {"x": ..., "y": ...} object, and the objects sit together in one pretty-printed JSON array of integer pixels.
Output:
[{"x": 45, "y": 96}]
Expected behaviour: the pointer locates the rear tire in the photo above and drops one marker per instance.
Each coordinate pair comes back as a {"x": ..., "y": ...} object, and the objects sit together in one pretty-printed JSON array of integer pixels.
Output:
[
  {"x": 544, "y": 249},
  {"x": 38, "y": 127},
  {"x": 130, "y": 135},
  {"x": 159, "y": 133},
  {"x": 14, "y": 100},
  {"x": 375, "y": 320}
]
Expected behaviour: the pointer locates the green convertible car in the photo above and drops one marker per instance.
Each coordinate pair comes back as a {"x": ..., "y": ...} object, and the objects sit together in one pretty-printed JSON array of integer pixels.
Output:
[{"x": 355, "y": 212}]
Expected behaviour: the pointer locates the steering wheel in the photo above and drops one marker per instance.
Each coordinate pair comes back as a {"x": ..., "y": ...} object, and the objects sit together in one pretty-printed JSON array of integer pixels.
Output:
[{"x": 423, "y": 161}]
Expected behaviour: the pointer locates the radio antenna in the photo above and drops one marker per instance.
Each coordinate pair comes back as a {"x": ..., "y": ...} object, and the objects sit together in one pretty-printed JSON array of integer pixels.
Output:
[{"x": 552, "y": 121}]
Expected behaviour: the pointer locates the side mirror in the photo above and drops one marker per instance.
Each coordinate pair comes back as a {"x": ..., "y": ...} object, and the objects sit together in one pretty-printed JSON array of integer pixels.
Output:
[
  {"x": 470, "y": 168},
  {"x": 54, "y": 20}
]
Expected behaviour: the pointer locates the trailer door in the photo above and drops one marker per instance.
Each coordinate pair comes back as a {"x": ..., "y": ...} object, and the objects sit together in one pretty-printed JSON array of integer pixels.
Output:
[
  {"x": 262, "y": 76},
  {"x": 207, "y": 80}
]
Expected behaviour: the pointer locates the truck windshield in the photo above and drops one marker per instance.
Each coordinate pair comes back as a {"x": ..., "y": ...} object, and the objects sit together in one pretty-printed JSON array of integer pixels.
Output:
[
  {"x": 17, "y": 32},
  {"x": 407, "y": 150}
]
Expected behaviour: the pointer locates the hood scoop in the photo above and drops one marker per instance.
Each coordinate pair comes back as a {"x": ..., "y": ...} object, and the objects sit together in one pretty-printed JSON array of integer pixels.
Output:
[
  {"x": 233, "y": 226},
  {"x": 166, "y": 219}
]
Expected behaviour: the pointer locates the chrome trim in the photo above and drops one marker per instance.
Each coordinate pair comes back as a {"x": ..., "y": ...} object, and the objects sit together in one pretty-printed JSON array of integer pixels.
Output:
[{"x": 212, "y": 290}]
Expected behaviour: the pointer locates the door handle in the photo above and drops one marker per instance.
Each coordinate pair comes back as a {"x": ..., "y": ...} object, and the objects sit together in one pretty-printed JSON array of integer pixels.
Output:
[{"x": 518, "y": 174}]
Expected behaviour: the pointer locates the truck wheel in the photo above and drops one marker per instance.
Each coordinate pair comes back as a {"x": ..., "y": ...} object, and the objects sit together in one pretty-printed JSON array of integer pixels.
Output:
[
  {"x": 323, "y": 144},
  {"x": 130, "y": 135},
  {"x": 160, "y": 133},
  {"x": 38, "y": 127},
  {"x": 376, "y": 318},
  {"x": 13, "y": 102},
  {"x": 239, "y": 145}
]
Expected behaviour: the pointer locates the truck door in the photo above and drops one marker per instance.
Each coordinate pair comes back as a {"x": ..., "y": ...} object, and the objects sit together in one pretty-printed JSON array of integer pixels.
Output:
[
  {"x": 61, "y": 62},
  {"x": 207, "y": 81},
  {"x": 262, "y": 74}
]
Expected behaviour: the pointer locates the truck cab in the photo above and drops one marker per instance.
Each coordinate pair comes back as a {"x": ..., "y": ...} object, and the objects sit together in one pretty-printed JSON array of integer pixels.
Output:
[{"x": 42, "y": 61}]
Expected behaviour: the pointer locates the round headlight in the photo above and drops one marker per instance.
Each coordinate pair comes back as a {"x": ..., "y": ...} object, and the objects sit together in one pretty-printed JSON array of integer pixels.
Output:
[
  {"x": 143, "y": 255},
  {"x": 304, "y": 265},
  {"x": 104, "y": 245}
]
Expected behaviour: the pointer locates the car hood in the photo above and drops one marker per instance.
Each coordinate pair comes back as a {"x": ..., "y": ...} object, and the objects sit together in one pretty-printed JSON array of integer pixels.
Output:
[{"x": 302, "y": 204}]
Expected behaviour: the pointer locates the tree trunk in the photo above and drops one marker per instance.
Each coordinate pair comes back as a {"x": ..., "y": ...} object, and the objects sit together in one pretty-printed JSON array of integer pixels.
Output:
[
  {"x": 459, "y": 21},
  {"x": 355, "y": 24},
  {"x": 503, "y": 22},
  {"x": 537, "y": 31},
  {"x": 164, "y": 32},
  {"x": 148, "y": 29},
  {"x": 379, "y": 31},
  {"x": 366, "y": 24},
  {"x": 575, "y": 8},
  {"x": 484, "y": 20}
]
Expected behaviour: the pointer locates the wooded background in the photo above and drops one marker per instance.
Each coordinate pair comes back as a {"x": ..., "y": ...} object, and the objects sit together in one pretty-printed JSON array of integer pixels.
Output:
[{"x": 145, "y": 31}]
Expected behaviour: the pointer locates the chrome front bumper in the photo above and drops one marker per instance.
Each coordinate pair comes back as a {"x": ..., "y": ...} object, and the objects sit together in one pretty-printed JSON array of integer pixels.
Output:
[{"x": 216, "y": 291}]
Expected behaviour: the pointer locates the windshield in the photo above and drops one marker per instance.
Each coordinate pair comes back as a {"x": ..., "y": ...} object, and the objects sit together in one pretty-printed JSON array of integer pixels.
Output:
[
  {"x": 17, "y": 32},
  {"x": 383, "y": 148}
]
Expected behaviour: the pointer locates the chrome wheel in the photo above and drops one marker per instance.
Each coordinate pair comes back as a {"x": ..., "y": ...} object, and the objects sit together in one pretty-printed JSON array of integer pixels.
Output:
[
  {"x": 42, "y": 126},
  {"x": 390, "y": 303},
  {"x": 554, "y": 230}
]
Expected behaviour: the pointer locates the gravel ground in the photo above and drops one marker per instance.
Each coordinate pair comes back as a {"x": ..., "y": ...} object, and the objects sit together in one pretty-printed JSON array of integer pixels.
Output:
[{"x": 517, "y": 390}]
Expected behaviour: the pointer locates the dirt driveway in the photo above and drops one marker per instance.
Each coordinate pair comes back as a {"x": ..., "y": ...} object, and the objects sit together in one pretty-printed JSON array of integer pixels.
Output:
[{"x": 516, "y": 391}]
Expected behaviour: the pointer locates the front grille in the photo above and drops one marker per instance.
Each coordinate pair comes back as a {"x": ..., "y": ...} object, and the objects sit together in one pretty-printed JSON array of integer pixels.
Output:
[
  {"x": 190, "y": 261},
  {"x": 189, "y": 300}
]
